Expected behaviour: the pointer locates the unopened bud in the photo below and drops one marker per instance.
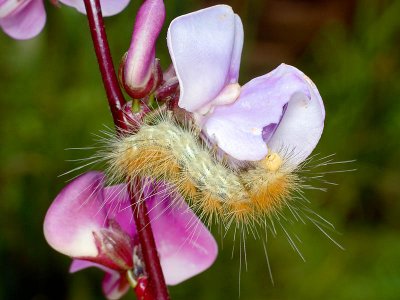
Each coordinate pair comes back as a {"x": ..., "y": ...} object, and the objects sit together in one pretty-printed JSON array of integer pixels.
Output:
[
  {"x": 167, "y": 90},
  {"x": 140, "y": 71}
]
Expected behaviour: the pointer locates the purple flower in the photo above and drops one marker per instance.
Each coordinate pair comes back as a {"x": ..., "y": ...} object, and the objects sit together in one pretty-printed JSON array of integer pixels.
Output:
[
  {"x": 22, "y": 19},
  {"x": 94, "y": 225},
  {"x": 25, "y": 19},
  {"x": 281, "y": 111},
  {"x": 108, "y": 7}
]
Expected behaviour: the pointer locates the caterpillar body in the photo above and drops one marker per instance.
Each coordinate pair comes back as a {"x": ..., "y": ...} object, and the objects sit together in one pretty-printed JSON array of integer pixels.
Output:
[{"x": 162, "y": 148}]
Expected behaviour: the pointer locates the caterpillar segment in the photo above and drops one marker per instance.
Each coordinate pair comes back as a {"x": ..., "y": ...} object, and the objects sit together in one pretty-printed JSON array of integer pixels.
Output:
[{"x": 269, "y": 185}]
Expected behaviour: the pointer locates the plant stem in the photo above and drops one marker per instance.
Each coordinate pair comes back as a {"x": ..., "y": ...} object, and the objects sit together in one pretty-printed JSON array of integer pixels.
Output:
[
  {"x": 116, "y": 102},
  {"x": 114, "y": 95}
]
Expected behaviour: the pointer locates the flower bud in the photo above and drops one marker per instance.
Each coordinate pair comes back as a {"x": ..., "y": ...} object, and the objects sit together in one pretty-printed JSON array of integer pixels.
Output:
[
  {"x": 140, "y": 72},
  {"x": 168, "y": 90}
]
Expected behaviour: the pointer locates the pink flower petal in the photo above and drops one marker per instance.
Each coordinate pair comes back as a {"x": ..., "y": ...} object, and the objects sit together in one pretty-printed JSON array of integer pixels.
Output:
[
  {"x": 80, "y": 264},
  {"x": 205, "y": 48},
  {"x": 185, "y": 245},
  {"x": 9, "y": 7},
  {"x": 108, "y": 7},
  {"x": 119, "y": 208},
  {"x": 25, "y": 23},
  {"x": 114, "y": 286},
  {"x": 74, "y": 215},
  {"x": 240, "y": 128}
]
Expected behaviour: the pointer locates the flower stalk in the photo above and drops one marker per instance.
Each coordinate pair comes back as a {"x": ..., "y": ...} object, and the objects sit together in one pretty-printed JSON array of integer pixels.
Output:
[{"x": 116, "y": 101}]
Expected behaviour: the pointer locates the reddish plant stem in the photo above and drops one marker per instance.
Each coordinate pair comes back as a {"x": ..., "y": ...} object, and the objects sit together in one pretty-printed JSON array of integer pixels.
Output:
[
  {"x": 114, "y": 95},
  {"x": 157, "y": 282},
  {"x": 116, "y": 101}
]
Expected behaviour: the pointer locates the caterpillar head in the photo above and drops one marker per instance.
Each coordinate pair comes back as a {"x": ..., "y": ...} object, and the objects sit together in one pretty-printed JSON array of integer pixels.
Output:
[{"x": 272, "y": 162}]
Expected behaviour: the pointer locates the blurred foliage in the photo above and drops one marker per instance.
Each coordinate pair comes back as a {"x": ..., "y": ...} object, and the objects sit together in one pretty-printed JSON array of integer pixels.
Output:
[{"x": 52, "y": 98}]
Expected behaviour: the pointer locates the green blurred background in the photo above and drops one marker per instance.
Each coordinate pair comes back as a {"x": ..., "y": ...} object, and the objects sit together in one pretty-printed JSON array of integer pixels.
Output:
[{"x": 52, "y": 98}]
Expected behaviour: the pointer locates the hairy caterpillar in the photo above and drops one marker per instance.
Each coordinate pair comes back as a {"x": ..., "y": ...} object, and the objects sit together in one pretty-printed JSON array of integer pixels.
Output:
[
  {"x": 266, "y": 194},
  {"x": 163, "y": 149}
]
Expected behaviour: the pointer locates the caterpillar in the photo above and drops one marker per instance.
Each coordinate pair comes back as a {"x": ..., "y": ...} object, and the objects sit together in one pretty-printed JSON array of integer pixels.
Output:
[{"x": 164, "y": 149}]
